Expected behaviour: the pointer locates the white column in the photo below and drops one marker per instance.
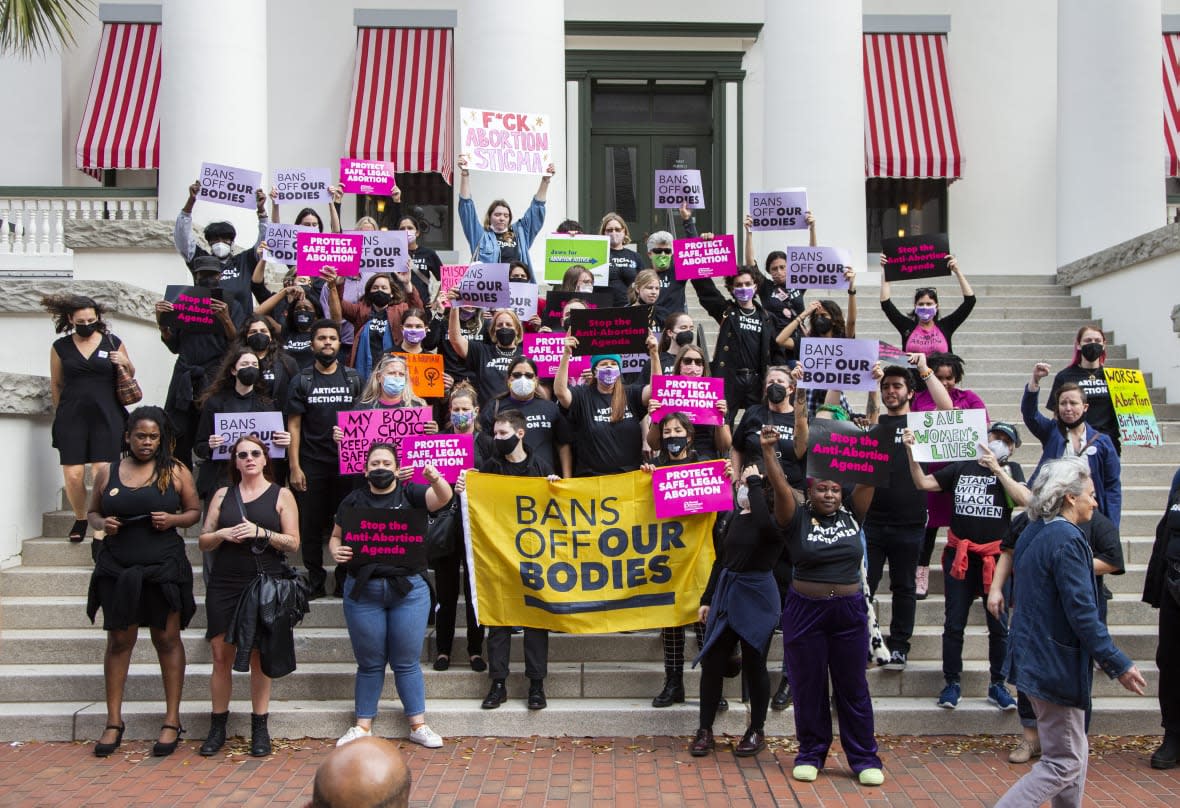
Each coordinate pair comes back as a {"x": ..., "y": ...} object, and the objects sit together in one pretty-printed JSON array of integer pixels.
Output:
[
  {"x": 212, "y": 101},
  {"x": 1110, "y": 155}
]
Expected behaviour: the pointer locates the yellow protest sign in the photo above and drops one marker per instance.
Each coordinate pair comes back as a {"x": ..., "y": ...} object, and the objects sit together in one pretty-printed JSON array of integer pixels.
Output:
[
  {"x": 583, "y": 555},
  {"x": 1132, "y": 407}
]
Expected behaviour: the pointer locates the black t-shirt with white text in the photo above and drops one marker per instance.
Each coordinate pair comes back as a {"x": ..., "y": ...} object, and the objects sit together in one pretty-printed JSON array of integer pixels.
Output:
[
  {"x": 826, "y": 549},
  {"x": 544, "y": 429},
  {"x": 980, "y": 509},
  {"x": 901, "y": 503},
  {"x": 603, "y": 447},
  {"x": 328, "y": 395},
  {"x": 490, "y": 365}
]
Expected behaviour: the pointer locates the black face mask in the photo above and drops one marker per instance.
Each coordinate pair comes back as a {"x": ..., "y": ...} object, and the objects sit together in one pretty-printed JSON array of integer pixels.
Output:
[
  {"x": 505, "y": 446},
  {"x": 248, "y": 376},
  {"x": 325, "y": 359},
  {"x": 380, "y": 478},
  {"x": 776, "y": 394},
  {"x": 303, "y": 319},
  {"x": 821, "y": 324},
  {"x": 1092, "y": 350},
  {"x": 675, "y": 446},
  {"x": 684, "y": 338},
  {"x": 258, "y": 341},
  {"x": 84, "y": 330},
  {"x": 505, "y": 336},
  {"x": 379, "y": 298},
  {"x": 207, "y": 281}
]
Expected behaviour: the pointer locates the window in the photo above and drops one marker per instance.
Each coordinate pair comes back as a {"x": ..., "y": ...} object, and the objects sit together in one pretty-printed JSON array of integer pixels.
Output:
[
  {"x": 426, "y": 196},
  {"x": 904, "y": 207}
]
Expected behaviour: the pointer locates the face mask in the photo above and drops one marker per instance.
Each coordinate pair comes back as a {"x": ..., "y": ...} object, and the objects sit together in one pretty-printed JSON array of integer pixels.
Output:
[
  {"x": 381, "y": 478},
  {"x": 414, "y": 335},
  {"x": 325, "y": 359},
  {"x": 220, "y": 250},
  {"x": 411, "y": 236},
  {"x": 207, "y": 281},
  {"x": 248, "y": 376},
  {"x": 1092, "y": 350},
  {"x": 675, "y": 445},
  {"x": 505, "y": 446},
  {"x": 586, "y": 287},
  {"x": 379, "y": 298},
  {"x": 607, "y": 376},
  {"x": 468, "y": 314},
  {"x": 258, "y": 341},
  {"x": 462, "y": 420},
  {"x": 84, "y": 330},
  {"x": 523, "y": 388},
  {"x": 616, "y": 240},
  {"x": 393, "y": 385},
  {"x": 303, "y": 319},
  {"x": 684, "y": 338},
  {"x": 661, "y": 261},
  {"x": 743, "y": 294},
  {"x": 822, "y": 324},
  {"x": 926, "y": 313},
  {"x": 1070, "y": 424},
  {"x": 505, "y": 336},
  {"x": 999, "y": 449},
  {"x": 776, "y": 393},
  {"x": 743, "y": 497}
]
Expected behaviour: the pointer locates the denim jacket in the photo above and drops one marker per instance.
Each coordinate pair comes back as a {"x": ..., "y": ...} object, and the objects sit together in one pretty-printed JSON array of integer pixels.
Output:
[
  {"x": 1055, "y": 629},
  {"x": 485, "y": 247}
]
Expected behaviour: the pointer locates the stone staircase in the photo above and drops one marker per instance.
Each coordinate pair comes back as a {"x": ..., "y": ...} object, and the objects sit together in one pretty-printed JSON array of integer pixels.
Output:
[{"x": 51, "y": 683}]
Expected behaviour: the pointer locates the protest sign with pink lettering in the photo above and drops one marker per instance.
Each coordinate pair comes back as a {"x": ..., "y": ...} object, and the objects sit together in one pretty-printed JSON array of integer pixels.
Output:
[
  {"x": 695, "y": 396},
  {"x": 832, "y": 363},
  {"x": 505, "y": 142},
  {"x": 916, "y": 257},
  {"x": 228, "y": 185},
  {"x": 691, "y": 488},
  {"x": 450, "y": 454},
  {"x": 676, "y": 187},
  {"x": 448, "y": 276},
  {"x": 545, "y": 349},
  {"x": 817, "y": 267},
  {"x": 367, "y": 177},
  {"x": 778, "y": 210},
  {"x": 302, "y": 185},
  {"x": 704, "y": 258},
  {"x": 384, "y": 251},
  {"x": 341, "y": 251},
  {"x": 363, "y": 428}
]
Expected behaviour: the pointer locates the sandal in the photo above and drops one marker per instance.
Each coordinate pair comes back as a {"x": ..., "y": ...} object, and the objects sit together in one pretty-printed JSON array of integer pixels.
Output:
[
  {"x": 78, "y": 531},
  {"x": 161, "y": 749},
  {"x": 477, "y": 663},
  {"x": 442, "y": 662},
  {"x": 105, "y": 749}
]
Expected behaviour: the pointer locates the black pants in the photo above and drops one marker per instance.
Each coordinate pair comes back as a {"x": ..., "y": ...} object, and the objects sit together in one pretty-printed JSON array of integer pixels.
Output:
[
  {"x": 317, "y": 507},
  {"x": 1167, "y": 659},
  {"x": 185, "y": 423},
  {"x": 899, "y": 545},
  {"x": 713, "y": 665},
  {"x": 449, "y": 579},
  {"x": 742, "y": 389},
  {"x": 928, "y": 550},
  {"x": 536, "y": 652}
]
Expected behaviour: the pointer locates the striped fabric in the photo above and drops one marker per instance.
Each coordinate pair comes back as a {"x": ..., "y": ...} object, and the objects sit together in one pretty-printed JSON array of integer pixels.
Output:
[
  {"x": 121, "y": 125},
  {"x": 1172, "y": 104},
  {"x": 402, "y": 109},
  {"x": 909, "y": 118}
]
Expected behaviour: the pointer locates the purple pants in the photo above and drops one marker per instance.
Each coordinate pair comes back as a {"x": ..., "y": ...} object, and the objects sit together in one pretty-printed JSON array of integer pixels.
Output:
[{"x": 830, "y": 637}]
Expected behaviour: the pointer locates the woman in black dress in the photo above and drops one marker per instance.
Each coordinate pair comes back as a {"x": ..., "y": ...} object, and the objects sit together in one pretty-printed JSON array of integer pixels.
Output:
[
  {"x": 141, "y": 573},
  {"x": 88, "y": 422},
  {"x": 244, "y": 545}
]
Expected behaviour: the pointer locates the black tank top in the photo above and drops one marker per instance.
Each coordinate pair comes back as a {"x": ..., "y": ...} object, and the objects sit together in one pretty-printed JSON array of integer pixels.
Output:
[
  {"x": 240, "y": 560},
  {"x": 137, "y": 542}
]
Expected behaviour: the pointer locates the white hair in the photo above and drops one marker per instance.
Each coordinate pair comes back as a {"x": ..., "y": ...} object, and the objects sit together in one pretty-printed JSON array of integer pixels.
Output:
[
  {"x": 1054, "y": 480},
  {"x": 659, "y": 238}
]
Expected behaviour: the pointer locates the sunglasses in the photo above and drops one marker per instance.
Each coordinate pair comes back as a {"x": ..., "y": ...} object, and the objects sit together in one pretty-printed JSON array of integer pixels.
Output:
[
  {"x": 255, "y": 453},
  {"x": 524, "y": 375},
  {"x": 660, "y": 251},
  {"x": 692, "y": 360}
]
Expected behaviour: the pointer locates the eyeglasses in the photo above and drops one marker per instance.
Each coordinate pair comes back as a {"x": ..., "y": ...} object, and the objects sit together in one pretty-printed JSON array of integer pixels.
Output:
[
  {"x": 255, "y": 453},
  {"x": 523, "y": 375},
  {"x": 692, "y": 360},
  {"x": 660, "y": 251}
]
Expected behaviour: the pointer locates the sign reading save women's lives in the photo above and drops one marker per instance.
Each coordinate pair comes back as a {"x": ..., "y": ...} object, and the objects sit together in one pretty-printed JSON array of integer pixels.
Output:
[
  {"x": 779, "y": 210},
  {"x": 704, "y": 258},
  {"x": 485, "y": 286},
  {"x": 680, "y": 186},
  {"x": 228, "y": 185},
  {"x": 450, "y": 454},
  {"x": 363, "y": 428},
  {"x": 584, "y": 555},
  {"x": 367, "y": 177},
  {"x": 384, "y": 251},
  {"x": 941, "y": 436},
  {"x": 1132, "y": 408},
  {"x": 817, "y": 267},
  {"x": 280, "y": 241},
  {"x": 394, "y": 536},
  {"x": 691, "y": 488},
  {"x": 694, "y": 396},
  {"x": 233, "y": 425},
  {"x": 832, "y": 363},
  {"x": 916, "y": 257},
  {"x": 505, "y": 142},
  {"x": 546, "y": 349},
  {"x": 341, "y": 251},
  {"x": 563, "y": 251},
  {"x": 614, "y": 331},
  {"x": 304, "y": 185},
  {"x": 192, "y": 310},
  {"x": 842, "y": 451}
]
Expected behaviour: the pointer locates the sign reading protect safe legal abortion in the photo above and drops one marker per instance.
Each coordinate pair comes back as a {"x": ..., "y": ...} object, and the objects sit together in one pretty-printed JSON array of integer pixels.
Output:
[
  {"x": 450, "y": 454},
  {"x": 341, "y": 251},
  {"x": 385, "y": 536},
  {"x": 817, "y": 267},
  {"x": 622, "y": 330},
  {"x": 363, "y": 428},
  {"x": 691, "y": 488},
  {"x": 546, "y": 349},
  {"x": 233, "y": 425},
  {"x": 831, "y": 363},
  {"x": 779, "y": 210},
  {"x": 704, "y": 258},
  {"x": 367, "y": 177},
  {"x": 505, "y": 142},
  {"x": 280, "y": 241},
  {"x": 301, "y": 185},
  {"x": 228, "y": 185},
  {"x": 1132, "y": 408},
  {"x": 945, "y": 435},
  {"x": 679, "y": 187},
  {"x": 696, "y": 397}
]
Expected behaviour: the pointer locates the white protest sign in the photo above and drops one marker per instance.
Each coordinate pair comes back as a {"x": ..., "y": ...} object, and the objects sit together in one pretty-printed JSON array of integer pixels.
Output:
[
  {"x": 817, "y": 267},
  {"x": 832, "y": 363},
  {"x": 778, "y": 210},
  {"x": 945, "y": 435},
  {"x": 505, "y": 142}
]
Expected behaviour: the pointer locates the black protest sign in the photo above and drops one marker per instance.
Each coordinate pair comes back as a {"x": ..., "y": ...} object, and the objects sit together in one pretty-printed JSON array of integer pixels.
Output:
[
  {"x": 916, "y": 257},
  {"x": 556, "y": 301},
  {"x": 842, "y": 451},
  {"x": 192, "y": 310},
  {"x": 395, "y": 536},
  {"x": 615, "y": 331}
]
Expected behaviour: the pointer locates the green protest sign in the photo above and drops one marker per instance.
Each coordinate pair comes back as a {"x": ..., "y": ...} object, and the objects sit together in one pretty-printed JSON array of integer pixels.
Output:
[{"x": 563, "y": 252}]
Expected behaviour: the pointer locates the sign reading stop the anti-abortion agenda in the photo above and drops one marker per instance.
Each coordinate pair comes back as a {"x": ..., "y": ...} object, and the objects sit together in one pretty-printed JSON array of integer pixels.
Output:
[
  {"x": 233, "y": 425},
  {"x": 228, "y": 185},
  {"x": 505, "y": 142},
  {"x": 704, "y": 258},
  {"x": 916, "y": 257},
  {"x": 426, "y": 373},
  {"x": 779, "y": 210},
  {"x": 1132, "y": 408},
  {"x": 524, "y": 299},
  {"x": 817, "y": 268},
  {"x": 192, "y": 310},
  {"x": 545, "y": 349},
  {"x": 564, "y": 251},
  {"x": 622, "y": 330},
  {"x": 485, "y": 285},
  {"x": 691, "y": 488},
  {"x": 384, "y": 251},
  {"x": 385, "y": 536},
  {"x": 367, "y": 177},
  {"x": 363, "y": 428},
  {"x": 696, "y": 397},
  {"x": 341, "y": 251},
  {"x": 280, "y": 242},
  {"x": 450, "y": 454},
  {"x": 945, "y": 435},
  {"x": 830, "y": 363},
  {"x": 841, "y": 451},
  {"x": 677, "y": 187},
  {"x": 304, "y": 185}
]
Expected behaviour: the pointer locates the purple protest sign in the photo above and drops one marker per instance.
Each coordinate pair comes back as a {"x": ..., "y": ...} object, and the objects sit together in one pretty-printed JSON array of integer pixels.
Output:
[
  {"x": 831, "y": 363},
  {"x": 301, "y": 185},
  {"x": 363, "y": 428},
  {"x": 524, "y": 300},
  {"x": 366, "y": 177},
  {"x": 694, "y": 396},
  {"x": 450, "y": 454},
  {"x": 817, "y": 268},
  {"x": 704, "y": 258},
  {"x": 678, "y": 187},
  {"x": 228, "y": 185},
  {"x": 690, "y": 489},
  {"x": 486, "y": 286},
  {"x": 384, "y": 251},
  {"x": 280, "y": 241},
  {"x": 341, "y": 251},
  {"x": 546, "y": 349},
  {"x": 779, "y": 210}
]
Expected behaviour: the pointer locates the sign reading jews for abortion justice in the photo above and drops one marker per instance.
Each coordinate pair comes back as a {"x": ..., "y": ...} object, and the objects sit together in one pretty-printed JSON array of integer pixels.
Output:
[
  {"x": 614, "y": 331},
  {"x": 373, "y": 177},
  {"x": 691, "y": 488},
  {"x": 779, "y": 210},
  {"x": 485, "y": 286},
  {"x": 817, "y": 268},
  {"x": 831, "y": 363},
  {"x": 450, "y": 454},
  {"x": 280, "y": 242},
  {"x": 704, "y": 258},
  {"x": 233, "y": 425},
  {"x": 842, "y": 451},
  {"x": 426, "y": 374},
  {"x": 363, "y": 428},
  {"x": 505, "y": 142},
  {"x": 694, "y": 396},
  {"x": 564, "y": 251},
  {"x": 192, "y": 310},
  {"x": 341, "y": 251},
  {"x": 916, "y": 257},
  {"x": 393, "y": 536},
  {"x": 304, "y": 185},
  {"x": 545, "y": 349},
  {"x": 228, "y": 185},
  {"x": 524, "y": 299},
  {"x": 944, "y": 435},
  {"x": 1132, "y": 408},
  {"x": 384, "y": 251},
  {"x": 677, "y": 187}
]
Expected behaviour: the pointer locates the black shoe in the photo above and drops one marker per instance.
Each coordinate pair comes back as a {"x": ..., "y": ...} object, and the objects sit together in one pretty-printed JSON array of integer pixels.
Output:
[
  {"x": 673, "y": 692},
  {"x": 496, "y": 696},
  {"x": 161, "y": 749},
  {"x": 78, "y": 532},
  {"x": 442, "y": 662},
  {"x": 537, "y": 700},
  {"x": 478, "y": 664},
  {"x": 782, "y": 696},
  {"x": 722, "y": 705},
  {"x": 105, "y": 749},
  {"x": 1168, "y": 754},
  {"x": 259, "y": 735},
  {"x": 216, "y": 737},
  {"x": 702, "y": 744},
  {"x": 753, "y": 742}
]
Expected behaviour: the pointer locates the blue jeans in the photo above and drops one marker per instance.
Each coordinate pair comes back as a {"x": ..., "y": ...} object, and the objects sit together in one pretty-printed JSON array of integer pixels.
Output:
[
  {"x": 384, "y": 629},
  {"x": 959, "y": 595}
]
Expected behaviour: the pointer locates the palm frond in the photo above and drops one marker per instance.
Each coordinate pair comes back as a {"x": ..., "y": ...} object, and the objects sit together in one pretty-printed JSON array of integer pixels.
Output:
[{"x": 31, "y": 27}]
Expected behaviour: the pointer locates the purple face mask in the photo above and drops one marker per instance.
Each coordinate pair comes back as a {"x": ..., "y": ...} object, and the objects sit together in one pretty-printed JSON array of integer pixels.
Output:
[
  {"x": 743, "y": 294},
  {"x": 925, "y": 313},
  {"x": 607, "y": 375},
  {"x": 414, "y": 335}
]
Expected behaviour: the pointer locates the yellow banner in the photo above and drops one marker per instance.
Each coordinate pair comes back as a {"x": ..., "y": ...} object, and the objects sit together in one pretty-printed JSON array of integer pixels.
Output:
[{"x": 583, "y": 555}]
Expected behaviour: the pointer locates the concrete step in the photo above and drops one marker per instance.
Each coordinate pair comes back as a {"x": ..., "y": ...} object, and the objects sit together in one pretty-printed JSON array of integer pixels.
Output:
[
  {"x": 1123, "y": 609},
  {"x": 1130, "y": 583}
]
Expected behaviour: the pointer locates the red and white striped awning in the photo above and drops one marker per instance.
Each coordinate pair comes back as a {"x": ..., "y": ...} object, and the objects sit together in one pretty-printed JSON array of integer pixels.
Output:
[
  {"x": 1172, "y": 104},
  {"x": 909, "y": 118},
  {"x": 121, "y": 125},
  {"x": 402, "y": 109}
]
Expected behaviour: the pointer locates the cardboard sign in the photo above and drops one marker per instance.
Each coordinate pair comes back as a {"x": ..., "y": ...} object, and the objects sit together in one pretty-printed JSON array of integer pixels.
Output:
[
  {"x": 233, "y": 425},
  {"x": 341, "y": 251},
  {"x": 916, "y": 257},
  {"x": 1132, "y": 408},
  {"x": 524, "y": 299},
  {"x": 945, "y": 435},
  {"x": 384, "y": 251},
  {"x": 841, "y": 451},
  {"x": 227, "y": 185},
  {"x": 679, "y": 187},
  {"x": 394, "y": 536},
  {"x": 301, "y": 185},
  {"x": 448, "y": 276},
  {"x": 817, "y": 267},
  {"x": 426, "y": 374},
  {"x": 280, "y": 242},
  {"x": 563, "y": 251},
  {"x": 778, "y": 210},
  {"x": 696, "y": 397},
  {"x": 373, "y": 177},
  {"x": 449, "y": 454},
  {"x": 622, "y": 330},
  {"x": 485, "y": 286},
  {"x": 691, "y": 488},
  {"x": 192, "y": 310},
  {"x": 505, "y": 142},
  {"x": 704, "y": 258},
  {"x": 546, "y": 349},
  {"x": 363, "y": 428},
  {"x": 831, "y": 363}
]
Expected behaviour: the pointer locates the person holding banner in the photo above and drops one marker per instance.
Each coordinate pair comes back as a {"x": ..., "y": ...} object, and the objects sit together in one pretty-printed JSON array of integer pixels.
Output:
[
  {"x": 277, "y": 367},
  {"x": 499, "y": 240},
  {"x": 608, "y": 413},
  {"x": 386, "y": 605},
  {"x": 822, "y": 319},
  {"x": 236, "y": 271},
  {"x": 624, "y": 262},
  {"x": 377, "y": 318},
  {"x": 1087, "y": 370},
  {"x": 488, "y": 363},
  {"x": 924, "y": 330},
  {"x": 709, "y": 442},
  {"x": 547, "y": 434},
  {"x": 1161, "y": 590}
]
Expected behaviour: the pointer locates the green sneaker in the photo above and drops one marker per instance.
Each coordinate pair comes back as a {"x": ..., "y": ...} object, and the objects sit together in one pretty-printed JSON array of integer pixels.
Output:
[
  {"x": 806, "y": 774},
  {"x": 871, "y": 777}
]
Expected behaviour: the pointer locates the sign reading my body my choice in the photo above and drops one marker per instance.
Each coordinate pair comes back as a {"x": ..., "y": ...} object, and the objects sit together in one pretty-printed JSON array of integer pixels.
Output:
[
  {"x": 779, "y": 210},
  {"x": 505, "y": 142},
  {"x": 363, "y": 428},
  {"x": 916, "y": 257},
  {"x": 395, "y": 536},
  {"x": 367, "y": 177},
  {"x": 679, "y": 187},
  {"x": 622, "y": 330},
  {"x": 341, "y": 251},
  {"x": 301, "y": 185},
  {"x": 837, "y": 364},
  {"x": 817, "y": 268},
  {"x": 228, "y": 185}
]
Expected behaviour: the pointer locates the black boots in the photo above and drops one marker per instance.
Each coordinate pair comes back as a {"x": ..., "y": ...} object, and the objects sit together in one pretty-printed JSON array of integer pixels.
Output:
[
  {"x": 259, "y": 735},
  {"x": 673, "y": 692},
  {"x": 216, "y": 737},
  {"x": 496, "y": 696},
  {"x": 1168, "y": 754},
  {"x": 537, "y": 700},
  {"x": 782, "y": 697}
]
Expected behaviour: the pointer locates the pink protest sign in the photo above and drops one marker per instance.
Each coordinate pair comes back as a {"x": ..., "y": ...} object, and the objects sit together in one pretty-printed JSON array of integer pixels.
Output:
[
  {"x": 679, "y": 187},
  {"x": 505, "y": 142},
  {"x": 545, "y": 349},
  {"x": 363, "y": 428},
  {"x": 341, "y": 251},
  {"x": 448, "y": 278},
  {"x": 450, "y": 454},
  {"x": 696, "y": 397},
  {"x": 692, "y": 488},
  {"x": 366, "y": 177},
  {"x": 778, "y": 210},
  {"x": 817, "y": 268},
  {"x": 704, "y": 258},
  {"x": 384, "y": 251},
  {"x": 228, "y": 185}
]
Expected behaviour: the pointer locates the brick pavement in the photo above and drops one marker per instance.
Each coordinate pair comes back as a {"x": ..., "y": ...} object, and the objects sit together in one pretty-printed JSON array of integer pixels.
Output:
[{"x": 476, "y": 772}]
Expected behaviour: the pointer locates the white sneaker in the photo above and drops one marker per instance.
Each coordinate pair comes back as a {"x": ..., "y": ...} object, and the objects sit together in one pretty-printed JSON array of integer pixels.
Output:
[
  {"x": 354, "y": 733},
  {"x": 427, "y": 737}
]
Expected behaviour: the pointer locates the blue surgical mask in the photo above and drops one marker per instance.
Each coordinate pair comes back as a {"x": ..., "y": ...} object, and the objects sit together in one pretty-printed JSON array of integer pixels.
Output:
[{"x": 393, "y": 385}]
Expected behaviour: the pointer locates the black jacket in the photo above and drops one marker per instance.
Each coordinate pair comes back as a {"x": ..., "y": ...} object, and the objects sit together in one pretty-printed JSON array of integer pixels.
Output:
[
  {"x": 727, "y": 356},
  {"x": 265, "y": 618}
]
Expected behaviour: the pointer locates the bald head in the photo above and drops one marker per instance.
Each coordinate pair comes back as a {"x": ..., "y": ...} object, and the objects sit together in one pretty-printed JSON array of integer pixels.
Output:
[{"x": 367, "y": 773}]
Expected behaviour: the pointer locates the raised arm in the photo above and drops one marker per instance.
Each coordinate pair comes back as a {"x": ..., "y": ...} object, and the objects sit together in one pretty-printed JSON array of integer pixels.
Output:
[
  {"x": 561, "y": 380},
  {"x": 182, "y": 231},
  {"x": 850, "y": 320},
  {"x": 802, "y": 428},
  {"x": 922, "y": 480},
  {"x": 784, "y": 497},
  {"x": 455, "y": 334},
  {"x": 942, "y": 398}
]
